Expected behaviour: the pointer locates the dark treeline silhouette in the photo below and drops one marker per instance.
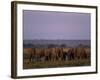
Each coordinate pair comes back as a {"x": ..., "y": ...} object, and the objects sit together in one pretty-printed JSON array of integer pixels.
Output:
[{"x": 52, "y": 45}]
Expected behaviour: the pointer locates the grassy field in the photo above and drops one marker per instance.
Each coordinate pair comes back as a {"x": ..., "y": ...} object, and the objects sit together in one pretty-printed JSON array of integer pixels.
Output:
[{"x": 49, "y": 64}]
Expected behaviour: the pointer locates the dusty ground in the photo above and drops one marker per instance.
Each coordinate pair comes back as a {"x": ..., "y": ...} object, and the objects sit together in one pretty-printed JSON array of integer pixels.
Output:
[{"x": 49, "y": 64}]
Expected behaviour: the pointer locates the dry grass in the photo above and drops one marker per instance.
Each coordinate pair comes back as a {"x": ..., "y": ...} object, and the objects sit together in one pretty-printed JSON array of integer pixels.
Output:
[{"x": 50, "y": 64}]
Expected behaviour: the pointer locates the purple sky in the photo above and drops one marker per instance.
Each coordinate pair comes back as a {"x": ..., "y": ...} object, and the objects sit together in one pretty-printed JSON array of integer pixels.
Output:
[{"x": 56, "y": 25}]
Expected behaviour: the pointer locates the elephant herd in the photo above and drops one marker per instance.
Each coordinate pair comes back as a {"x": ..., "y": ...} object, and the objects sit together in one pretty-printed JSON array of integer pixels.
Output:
[{"x": 54, "y": 54}]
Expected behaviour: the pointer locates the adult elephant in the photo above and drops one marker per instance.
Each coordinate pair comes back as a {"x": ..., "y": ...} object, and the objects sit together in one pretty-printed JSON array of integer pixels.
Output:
[
  {"x": 37, "y": 54},
  {"x": 71, "y": 54},
  {"x": 47, "y": 54},
  {"x": 54, "y": 54},
  {"x": 32, "y": 55},
  {"x": 27, "y": 57},
  {"x": 40, "y": 54},
  {"x": 61, "y": 54},
  {"x": 80, "y": 53}
]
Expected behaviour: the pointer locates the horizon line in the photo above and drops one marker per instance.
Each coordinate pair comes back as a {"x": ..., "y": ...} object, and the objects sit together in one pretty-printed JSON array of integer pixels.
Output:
[{"x": 57, "y": 39}]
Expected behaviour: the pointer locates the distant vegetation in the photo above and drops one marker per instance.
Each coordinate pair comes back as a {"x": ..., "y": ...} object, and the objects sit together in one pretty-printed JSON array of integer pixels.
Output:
[{"x": 51, "y": 45}]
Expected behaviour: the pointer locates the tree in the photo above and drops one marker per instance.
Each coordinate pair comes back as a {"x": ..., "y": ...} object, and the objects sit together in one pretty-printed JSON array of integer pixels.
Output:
[{"x": 63, "y": 45}]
